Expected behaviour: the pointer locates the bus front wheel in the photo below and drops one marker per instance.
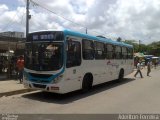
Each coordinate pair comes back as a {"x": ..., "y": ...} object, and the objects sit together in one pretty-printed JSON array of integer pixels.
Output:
[{"x": 87, "y": 82}]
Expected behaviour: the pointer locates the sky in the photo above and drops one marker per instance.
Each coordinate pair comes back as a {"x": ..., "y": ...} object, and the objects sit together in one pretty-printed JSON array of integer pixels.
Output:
[{"x": 128, "y": 19}]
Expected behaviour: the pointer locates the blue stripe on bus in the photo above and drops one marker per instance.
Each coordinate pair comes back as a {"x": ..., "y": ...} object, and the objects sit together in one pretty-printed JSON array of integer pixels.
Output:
[{"x": 48, "y": 80}]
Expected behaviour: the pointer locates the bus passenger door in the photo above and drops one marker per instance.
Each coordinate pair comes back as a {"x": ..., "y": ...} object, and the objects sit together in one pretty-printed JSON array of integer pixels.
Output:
[{"x": 73, "y": 63}]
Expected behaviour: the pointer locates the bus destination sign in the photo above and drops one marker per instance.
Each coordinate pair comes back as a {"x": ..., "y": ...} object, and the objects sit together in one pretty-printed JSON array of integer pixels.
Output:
[
  {"x": 45, "y": 36},
  {"x": 36, "y": 37}
]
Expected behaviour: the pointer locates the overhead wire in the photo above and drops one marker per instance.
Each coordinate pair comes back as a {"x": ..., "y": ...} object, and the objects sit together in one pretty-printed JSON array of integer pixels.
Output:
[
  {"x": 14, "y": 21},
  {"x": 35, "y": 3},
  {"x": 40, "y": 5},
  {"x": 10, "y": 22}
]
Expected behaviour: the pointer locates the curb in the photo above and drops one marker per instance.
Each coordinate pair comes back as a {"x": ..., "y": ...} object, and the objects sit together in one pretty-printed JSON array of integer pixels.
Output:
[{"x": 15, "y": 92}]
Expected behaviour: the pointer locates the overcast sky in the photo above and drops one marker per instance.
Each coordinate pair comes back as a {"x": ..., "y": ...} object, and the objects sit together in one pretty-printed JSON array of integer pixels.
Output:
[{"x": 128, "y": 19}]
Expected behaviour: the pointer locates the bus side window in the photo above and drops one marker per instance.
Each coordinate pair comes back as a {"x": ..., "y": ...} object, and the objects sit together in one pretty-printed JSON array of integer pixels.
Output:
[
  {"x": 130, "y": 53},
  {"x": 73, "y": 54},
  {"x": 118, "y": 52},
  {"x": 113, "y": 52},
  {"x": 99, "y": 51},
  {"x": 88, "y": 49},
  {"x": 124, "y": 53},
  {"x": 110, "y": 51}
]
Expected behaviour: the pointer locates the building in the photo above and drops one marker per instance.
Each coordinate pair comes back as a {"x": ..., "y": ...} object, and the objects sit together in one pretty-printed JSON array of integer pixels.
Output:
[
  {"x": 12, "y": 34},
  {"x": 11, "y": 41}
]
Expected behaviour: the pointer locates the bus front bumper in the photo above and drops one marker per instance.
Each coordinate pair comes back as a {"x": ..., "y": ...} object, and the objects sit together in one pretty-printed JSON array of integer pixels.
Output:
[{"x": 44, "y": 87}]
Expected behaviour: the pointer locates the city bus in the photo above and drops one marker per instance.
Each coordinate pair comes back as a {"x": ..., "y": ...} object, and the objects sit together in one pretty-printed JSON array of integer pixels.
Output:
[{"x": 65, "y": 61}]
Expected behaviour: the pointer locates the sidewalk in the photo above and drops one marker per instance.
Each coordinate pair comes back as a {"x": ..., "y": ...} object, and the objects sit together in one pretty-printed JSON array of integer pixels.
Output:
[{"x": 11, "y": 87}]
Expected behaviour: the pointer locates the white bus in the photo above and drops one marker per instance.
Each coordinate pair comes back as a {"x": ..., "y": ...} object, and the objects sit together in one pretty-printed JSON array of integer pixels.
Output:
[{"x": 65, "y": 61}]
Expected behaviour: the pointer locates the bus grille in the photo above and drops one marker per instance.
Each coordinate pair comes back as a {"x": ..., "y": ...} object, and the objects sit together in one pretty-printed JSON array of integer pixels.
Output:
[
  {"x": 39, "y": 86},
  {"x": 40, "y": 75},
  {"x": 40, "y": 81}
]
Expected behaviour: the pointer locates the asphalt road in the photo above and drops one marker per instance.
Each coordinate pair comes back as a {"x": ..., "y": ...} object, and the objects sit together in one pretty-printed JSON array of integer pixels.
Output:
[{"x": 133, "y": 95}]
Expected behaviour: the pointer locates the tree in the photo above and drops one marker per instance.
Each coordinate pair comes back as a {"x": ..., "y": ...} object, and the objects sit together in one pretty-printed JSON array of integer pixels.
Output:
[
  {"x": 134, "y": 43},
  {"x": 138, "y": 47},
  {"x": 154, "y": 48},
  {"x": 119, "y": 39}
]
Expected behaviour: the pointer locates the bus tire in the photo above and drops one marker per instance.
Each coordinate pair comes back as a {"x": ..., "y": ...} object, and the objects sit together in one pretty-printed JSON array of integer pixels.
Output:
[
  {"x": 87, "y": 82},
  {"x": 121, "y": 75}
]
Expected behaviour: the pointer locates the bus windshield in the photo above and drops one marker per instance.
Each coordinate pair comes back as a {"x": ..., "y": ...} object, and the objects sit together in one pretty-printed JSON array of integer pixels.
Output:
[{"x": 44, "y": 56}]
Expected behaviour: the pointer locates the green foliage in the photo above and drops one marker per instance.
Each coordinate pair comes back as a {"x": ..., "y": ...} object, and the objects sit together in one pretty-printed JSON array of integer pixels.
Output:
[
  {"x": 134, "y": 43},
  {"x": 119, "y": 39},
  {"x": 153, "y": 48}
]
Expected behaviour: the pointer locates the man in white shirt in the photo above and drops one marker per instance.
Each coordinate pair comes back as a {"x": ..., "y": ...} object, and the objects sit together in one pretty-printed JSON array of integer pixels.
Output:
[{"x": 138, "y": 70}]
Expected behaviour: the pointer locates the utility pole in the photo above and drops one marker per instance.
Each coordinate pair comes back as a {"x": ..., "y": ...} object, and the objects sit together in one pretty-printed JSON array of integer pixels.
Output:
[
  {"x": 9, "y": 60},
  {"x": 86, "y": 30},
  {"x": 139, "y": 45},
  {"x": 27, "y": 18}
]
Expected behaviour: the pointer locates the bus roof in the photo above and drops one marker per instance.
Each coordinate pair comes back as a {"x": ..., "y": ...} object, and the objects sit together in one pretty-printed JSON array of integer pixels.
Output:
[
  {"x": 86, "y": 36},
  {"x": 90, "y": 37}
]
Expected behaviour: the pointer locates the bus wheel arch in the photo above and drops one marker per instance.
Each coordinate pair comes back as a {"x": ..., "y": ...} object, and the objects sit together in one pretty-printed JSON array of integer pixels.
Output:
[
  {"x": 121, "y": 75},
  {"x": 87, "y": 82}
]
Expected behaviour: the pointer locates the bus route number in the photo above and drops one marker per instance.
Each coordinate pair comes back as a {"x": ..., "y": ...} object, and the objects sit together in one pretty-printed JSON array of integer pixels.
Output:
[{"x": 43, "y": 37}]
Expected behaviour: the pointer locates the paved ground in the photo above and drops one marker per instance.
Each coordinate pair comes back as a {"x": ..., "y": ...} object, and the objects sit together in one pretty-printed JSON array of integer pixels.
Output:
[{"x": 11, "y": 87}]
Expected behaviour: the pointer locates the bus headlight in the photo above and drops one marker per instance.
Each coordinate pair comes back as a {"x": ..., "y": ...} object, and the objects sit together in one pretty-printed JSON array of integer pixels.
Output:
[{"x": 58, "y": 79}]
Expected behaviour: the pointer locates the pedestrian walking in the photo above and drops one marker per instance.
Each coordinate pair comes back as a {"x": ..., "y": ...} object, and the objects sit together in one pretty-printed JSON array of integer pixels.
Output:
[
  {"x": 138, "y": 70},
  {"x": 20, "y": 67},
  {"x": 148, "y": 68}
]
